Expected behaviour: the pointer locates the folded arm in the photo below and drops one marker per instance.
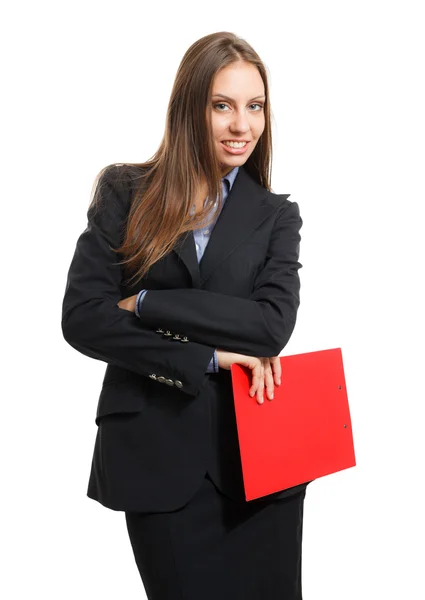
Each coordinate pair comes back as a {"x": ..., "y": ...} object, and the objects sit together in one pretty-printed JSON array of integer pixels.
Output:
[
  {"x": 94, "y": 324},
  {"x": 213, "y": 365},
  {"x": 260, "y": 325}
]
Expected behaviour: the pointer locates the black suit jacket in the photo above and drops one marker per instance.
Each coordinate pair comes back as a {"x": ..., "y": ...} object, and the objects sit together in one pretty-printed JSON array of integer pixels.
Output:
[{"x": 162, "y": 420}]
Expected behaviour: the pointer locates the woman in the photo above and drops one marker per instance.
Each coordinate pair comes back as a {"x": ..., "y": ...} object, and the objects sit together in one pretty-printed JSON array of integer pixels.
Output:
[{"x": 208, "y": 277}]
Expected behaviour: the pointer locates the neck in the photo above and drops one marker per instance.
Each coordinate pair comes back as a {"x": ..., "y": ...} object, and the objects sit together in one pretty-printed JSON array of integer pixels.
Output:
[
  {"x": 225, "y": 170},
  {"x": 202, "y": 191}
]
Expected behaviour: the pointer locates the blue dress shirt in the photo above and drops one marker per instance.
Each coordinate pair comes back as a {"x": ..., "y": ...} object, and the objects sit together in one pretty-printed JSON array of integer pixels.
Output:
[{"x": 202, "y": 237}]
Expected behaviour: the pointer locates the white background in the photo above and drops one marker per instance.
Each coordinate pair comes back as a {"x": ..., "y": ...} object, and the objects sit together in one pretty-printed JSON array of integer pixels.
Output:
[{"x": 87, "y": 84}]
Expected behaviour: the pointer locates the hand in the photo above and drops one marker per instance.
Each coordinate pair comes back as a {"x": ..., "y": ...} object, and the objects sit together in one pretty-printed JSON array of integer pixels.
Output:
[
  {"x": 270, "y": 374},
  {"x": 128, "y": 303},
  {"x": 265, "y": 371}
]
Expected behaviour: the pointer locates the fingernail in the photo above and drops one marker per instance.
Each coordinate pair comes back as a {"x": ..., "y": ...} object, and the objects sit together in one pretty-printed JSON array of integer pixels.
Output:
[
  {"x": 260, "y": 400},
  {"x": 271, "y": 396}
]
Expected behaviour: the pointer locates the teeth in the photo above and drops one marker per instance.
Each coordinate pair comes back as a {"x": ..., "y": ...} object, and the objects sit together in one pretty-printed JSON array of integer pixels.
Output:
[{"x": 235, "y": 144}]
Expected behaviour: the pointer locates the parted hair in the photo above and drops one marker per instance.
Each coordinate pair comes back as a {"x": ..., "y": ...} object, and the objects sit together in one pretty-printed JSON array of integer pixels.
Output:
[{"x": 168, "y": 181}]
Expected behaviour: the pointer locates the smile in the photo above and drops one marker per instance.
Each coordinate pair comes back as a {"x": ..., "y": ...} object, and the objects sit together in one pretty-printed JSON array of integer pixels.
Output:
[
  {"x": 235, "y": 147},
  {"x": 235, "y": 144}
]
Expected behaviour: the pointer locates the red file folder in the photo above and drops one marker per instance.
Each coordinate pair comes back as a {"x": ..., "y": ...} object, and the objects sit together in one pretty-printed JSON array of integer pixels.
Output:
[{"x": 303, "y": 433}]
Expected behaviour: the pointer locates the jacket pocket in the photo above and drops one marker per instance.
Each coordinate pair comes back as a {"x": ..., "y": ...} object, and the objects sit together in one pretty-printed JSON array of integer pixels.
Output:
[{"x": 122, "y": 396}]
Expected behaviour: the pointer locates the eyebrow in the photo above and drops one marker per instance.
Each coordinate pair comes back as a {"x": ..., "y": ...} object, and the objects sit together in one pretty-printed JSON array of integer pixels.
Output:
[{"x": 232, "y": 99}]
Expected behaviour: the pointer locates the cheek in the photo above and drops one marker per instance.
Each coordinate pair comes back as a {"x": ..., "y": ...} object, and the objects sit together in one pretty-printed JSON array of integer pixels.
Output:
[
  {"x": 219, "y": 126},
  {"x": 258, "y": 128}
]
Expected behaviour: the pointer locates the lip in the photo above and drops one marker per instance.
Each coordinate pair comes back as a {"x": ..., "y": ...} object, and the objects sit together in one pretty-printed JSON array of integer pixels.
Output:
[{"x": 235, "y": 150}]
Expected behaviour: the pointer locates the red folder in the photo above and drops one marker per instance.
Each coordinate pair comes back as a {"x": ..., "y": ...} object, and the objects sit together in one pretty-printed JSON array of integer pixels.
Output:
[{"x": 303, "y": 433}]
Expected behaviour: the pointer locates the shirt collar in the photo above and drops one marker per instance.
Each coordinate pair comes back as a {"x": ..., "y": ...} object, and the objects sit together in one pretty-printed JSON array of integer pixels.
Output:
[{"x": 230, "y": 177}]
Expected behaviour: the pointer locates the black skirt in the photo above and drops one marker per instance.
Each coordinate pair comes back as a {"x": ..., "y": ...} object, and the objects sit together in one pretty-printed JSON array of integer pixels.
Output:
[{"x": 218, "y": 548}]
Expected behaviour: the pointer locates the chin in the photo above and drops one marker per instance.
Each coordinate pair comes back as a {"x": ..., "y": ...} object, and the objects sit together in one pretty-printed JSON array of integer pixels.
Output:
[
  {"x": 228, "y": 166},
  {"x": 235, "y": 161}
]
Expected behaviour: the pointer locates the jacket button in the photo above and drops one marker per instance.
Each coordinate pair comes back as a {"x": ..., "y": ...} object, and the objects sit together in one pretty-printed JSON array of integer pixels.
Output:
[
  {"x": 184, "y": 339},
  {"x": 161, "y": 379},
  {"x": 168, "y": 333},
  {"x": 159, "y": 330},
  {"x": 169, "y": 382},
  {"x": 176, "y": 337},
  {"x": 152, "y": 376},
  {"x": 178, "y": 383}
]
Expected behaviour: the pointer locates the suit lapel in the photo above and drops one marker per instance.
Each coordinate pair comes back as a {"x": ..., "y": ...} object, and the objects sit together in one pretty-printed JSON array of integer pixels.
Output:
[{"x": 243, "y": 211}]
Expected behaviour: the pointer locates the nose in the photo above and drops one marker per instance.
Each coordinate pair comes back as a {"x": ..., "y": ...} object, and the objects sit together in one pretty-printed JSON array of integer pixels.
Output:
[{"x": 240, "y": 123}]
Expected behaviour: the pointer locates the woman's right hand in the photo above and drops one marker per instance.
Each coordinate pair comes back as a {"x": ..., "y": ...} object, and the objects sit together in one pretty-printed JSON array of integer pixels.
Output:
[{"x": 265, "y": 371}]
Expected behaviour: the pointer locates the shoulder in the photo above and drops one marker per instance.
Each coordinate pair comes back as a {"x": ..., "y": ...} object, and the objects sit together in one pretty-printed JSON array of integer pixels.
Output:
[
  {"x": 278, "y": 202},
  {"x": 116, "y": 184},
  {"x": 112, "y": 193},
  {"x": 121, "y": 175}
]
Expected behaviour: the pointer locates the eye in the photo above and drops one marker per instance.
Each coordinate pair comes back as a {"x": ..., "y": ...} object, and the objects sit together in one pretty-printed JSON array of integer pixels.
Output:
[
  {"x": 220, "y": 104},
  {"x": 259, "y": 105},
  {"x": 224, "y": 106}
]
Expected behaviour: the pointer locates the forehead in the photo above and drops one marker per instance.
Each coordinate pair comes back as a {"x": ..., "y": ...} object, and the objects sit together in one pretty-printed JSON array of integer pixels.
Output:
[{"x": 238, "y": 80}]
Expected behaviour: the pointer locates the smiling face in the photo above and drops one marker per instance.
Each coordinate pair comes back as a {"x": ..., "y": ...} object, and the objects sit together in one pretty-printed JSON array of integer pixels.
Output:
[{"x": 237, "y": 113}]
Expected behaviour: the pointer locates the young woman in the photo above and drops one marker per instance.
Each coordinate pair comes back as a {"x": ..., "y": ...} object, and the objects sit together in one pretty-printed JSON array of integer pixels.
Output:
[{"x": 189, "y": 263}]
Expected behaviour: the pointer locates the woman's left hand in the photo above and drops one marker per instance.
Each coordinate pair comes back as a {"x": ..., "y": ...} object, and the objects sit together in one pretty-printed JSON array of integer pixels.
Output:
[{"x": 128, "y": 303}]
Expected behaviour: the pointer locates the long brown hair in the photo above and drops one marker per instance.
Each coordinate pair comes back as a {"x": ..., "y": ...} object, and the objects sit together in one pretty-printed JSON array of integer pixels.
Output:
[{"x": 160, "y": 209}]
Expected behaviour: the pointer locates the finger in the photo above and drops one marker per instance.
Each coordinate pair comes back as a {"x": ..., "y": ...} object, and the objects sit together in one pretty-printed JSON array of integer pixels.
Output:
[
  {"x": 256, "y": 377},
  {"x": 277, "y": 370},
  {"x": 268, "y": 382},
  {"x": 260, "y": 390}
]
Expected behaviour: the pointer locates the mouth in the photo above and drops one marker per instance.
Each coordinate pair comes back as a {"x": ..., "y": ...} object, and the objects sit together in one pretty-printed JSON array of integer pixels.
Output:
[{"x": 235, "y": 147}]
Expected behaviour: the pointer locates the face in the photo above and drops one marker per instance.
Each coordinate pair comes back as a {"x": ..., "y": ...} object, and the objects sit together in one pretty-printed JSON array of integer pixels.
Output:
[{"x": 237, "y": 113}]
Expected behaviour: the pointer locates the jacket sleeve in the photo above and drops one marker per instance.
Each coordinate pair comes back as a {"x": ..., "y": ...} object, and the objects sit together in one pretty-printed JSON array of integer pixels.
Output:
[
  {"x": 94, "y": 324},
  {"x": 212, "y": 367},
  {"x": 260, "y": 325}
]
